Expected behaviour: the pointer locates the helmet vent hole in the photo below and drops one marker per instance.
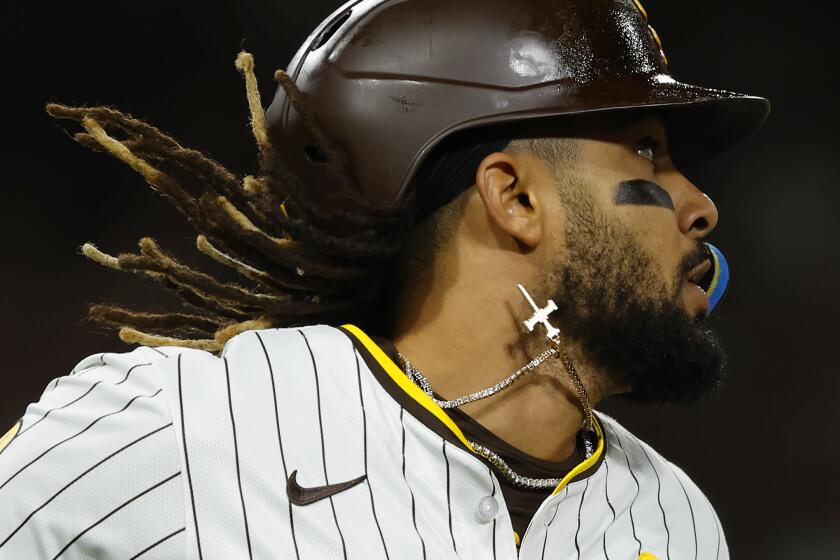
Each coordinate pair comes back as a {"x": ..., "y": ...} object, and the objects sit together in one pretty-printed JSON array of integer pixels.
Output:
[
  {"x": 327, "y": 33},
  {"x": 315, "y": 155}
]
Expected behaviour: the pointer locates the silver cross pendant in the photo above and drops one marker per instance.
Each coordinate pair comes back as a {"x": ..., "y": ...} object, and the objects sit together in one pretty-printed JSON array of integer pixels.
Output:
[{"x": 540, "y": 316}]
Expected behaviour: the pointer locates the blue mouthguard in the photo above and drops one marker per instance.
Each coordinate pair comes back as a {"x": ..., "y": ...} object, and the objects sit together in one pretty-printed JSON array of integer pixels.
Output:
[{"x": 720, "y": 280}]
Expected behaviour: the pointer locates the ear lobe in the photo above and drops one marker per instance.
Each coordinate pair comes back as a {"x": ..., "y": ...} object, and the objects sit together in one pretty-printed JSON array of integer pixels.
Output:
[{"x": 502, "y": 182}]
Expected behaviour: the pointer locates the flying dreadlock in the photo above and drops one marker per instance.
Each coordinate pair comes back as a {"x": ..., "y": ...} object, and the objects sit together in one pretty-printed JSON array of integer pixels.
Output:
[{"x": 301, "y": 263}]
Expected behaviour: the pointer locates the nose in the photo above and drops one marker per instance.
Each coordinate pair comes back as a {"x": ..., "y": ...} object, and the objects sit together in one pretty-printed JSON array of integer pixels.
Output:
[{"x": 696, "y": 213}]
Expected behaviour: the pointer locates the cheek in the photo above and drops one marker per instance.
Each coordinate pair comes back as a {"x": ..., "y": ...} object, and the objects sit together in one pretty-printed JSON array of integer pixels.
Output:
[
  {"x": 656, "y": 233},
  {"x": 554, "y": 234}
]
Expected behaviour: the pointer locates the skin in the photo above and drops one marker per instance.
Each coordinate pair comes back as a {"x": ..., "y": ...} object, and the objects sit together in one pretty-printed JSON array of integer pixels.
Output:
[{"x": 463, "y": 326}]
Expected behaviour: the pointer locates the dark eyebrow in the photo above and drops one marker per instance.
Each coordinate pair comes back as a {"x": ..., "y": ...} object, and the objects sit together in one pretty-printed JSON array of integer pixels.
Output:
[
  {"x": 649, "y": 141},
  {"x": 640, "y": 191}
]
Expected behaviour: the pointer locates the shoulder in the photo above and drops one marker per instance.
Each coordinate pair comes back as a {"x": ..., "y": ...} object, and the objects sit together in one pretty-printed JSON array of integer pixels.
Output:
[
  {"x": 170, "y": 380},
  {"x": 94, "y": 463},
  {"x": 102, "y": 460},
  {"x": 304, "y": 339},
  {"x": 288, "y": 351},
  {"x": 623, "y": 444},
  {"x": 208, "y": 394},
  {"x": 663, "y": 497},
  {"x": 269, "y": 397},
  {"x": 118, "y": 385}
]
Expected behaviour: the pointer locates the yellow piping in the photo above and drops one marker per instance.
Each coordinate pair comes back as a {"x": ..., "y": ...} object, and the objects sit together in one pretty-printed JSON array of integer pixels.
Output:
[
  {"x": 401, "y": 379},
  {"x": 413, "y": 391},
  {"x": 10, "y": 435},
  {"x": 587, "y": 464}
]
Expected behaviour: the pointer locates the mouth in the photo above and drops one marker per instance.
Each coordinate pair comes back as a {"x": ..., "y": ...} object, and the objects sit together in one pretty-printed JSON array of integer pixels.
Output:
[
  {"x": 696, "y": 286},
  {"x": 700, "y": 275}
]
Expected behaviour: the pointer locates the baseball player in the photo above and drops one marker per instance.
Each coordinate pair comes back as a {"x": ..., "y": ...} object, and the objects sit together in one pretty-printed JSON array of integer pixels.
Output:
[{"x": 469, "y": 226}]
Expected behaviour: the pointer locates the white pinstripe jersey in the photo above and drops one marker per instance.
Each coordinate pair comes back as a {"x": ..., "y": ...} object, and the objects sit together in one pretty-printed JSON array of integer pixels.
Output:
[{"x": 174, "y": 453}]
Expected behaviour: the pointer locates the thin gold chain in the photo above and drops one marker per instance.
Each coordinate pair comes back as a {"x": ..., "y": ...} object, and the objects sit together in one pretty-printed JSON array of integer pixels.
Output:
[{"x": 583, "y": 396}]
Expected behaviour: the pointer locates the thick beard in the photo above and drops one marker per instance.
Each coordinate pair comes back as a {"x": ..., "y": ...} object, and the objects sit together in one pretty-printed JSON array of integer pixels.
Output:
[{"x": 614, "y": 305}]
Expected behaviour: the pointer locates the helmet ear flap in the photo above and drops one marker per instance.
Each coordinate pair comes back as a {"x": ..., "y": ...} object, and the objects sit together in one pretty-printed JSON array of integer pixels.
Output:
[{"x": 715, "y": 282}]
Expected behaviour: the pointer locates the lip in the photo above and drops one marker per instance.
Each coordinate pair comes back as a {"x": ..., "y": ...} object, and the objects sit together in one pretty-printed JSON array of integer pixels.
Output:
[
  {"x": 698, "y": 272},
  {"x": 696, "y": 299}
]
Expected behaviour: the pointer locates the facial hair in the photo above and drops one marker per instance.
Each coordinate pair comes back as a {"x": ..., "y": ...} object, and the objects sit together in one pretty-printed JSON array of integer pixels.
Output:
[{"x": 626, "y": 322}]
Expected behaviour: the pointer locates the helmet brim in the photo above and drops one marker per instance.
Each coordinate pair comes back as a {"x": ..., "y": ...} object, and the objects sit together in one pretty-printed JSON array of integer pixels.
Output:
[
  {"x": 700, "y": 122},
  {"x": 701, "y": 129}
]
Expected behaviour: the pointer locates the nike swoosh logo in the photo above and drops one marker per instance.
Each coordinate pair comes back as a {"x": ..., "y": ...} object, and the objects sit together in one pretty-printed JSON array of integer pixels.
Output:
[{"x": 301, "y": 496}]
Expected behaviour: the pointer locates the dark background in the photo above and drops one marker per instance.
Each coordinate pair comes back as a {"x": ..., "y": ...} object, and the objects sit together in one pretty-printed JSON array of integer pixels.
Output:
[{"x": 765, "y": 450}]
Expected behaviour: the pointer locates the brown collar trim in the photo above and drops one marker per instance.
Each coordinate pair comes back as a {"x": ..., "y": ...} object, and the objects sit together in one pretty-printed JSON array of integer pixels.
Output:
[
  {"x": 387, "y": 382},
  {"x": 432, "y": 416}
]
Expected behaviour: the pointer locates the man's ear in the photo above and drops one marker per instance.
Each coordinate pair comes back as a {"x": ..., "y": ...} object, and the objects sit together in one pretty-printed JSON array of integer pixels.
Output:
[{"x": 508, "y": 195}]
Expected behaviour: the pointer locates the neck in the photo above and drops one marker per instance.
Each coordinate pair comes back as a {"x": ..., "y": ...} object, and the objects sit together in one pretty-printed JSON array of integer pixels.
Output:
[{"x": 461, "y": 352}]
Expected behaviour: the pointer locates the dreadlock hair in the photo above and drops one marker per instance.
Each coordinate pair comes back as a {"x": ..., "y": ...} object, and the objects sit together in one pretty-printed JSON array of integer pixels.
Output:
[{"x": 298, "y": 263}]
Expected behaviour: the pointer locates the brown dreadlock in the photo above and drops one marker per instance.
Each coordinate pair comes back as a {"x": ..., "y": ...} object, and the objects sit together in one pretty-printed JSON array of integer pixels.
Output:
[{"x": 302, "y": 264}]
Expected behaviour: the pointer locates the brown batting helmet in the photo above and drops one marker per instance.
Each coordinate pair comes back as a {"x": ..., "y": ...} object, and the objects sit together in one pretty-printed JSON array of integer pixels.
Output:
[{"x": 388, "y": 80}]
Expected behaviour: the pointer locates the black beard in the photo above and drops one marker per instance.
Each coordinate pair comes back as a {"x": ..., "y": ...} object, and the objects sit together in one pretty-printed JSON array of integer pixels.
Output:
[{"x": 628, "y": 326}]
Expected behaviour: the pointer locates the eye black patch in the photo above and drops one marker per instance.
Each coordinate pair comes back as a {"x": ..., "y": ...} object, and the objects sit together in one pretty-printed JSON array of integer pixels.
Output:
[{"x": 639, "y": 191}]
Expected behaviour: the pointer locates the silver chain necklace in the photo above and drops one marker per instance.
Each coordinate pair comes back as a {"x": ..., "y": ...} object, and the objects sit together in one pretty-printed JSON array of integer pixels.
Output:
[
  {"x": 501, "y": 465},
  {"x": 420, "y": 380}
]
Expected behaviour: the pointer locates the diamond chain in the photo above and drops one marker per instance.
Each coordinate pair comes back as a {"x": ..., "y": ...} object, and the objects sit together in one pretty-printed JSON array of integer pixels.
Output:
[
  {"x": 501, "y": 465},
  {"x": 421, "y": 380},
  {"x": 514, "y": 477}
]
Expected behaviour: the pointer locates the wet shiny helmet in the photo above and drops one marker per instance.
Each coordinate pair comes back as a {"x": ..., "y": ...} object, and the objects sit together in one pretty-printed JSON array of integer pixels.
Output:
[{"x": 388, "y": 80}]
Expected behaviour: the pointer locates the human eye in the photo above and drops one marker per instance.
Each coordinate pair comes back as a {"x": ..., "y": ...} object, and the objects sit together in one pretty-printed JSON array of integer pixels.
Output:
[{"x": 646, "y": 149}]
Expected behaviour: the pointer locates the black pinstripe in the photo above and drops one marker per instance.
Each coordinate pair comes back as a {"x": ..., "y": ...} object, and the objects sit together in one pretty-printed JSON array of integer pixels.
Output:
[
  {"x": 449, "y": 498},
  {"x": 69, "y": 484},
  {"x": 659, "y": 500},
  {"x": 413, "y": 508},
  {"x": 580, "y": 508},
  {"x": 556, "y": 509},
  {"x": 279, "y": 439},
  {"x": 565, "y": 493},
  {"x": 323, "y": 446},
  {"x": 545, "y": 540},
  {"x": 364, "y": 437},
  {"x": 717, "y": 527},
  {"x": 187, "y": 458},
  {"x": 638, "y": 489},
  {"x": 691, "y": 510},
  {"x": 493, "y": 495},
  {"x": 159, "y": 351},
  {"x": 236, "y": 456},
  {"x": 101, "y": 363},
  {"x": 612, "y": 509},
  {"x": 132, "y": 368},
  {"x": 47, "y": 413},
  {"x": 115, "y": 510},
  {"x": 80, "y": 397},
  {"x": 65, "y": 440},
  {"x": 161, "y": 541}
]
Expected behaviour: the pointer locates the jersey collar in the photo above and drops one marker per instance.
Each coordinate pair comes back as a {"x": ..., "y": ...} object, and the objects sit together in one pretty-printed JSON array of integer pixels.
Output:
[{"x": 394, "y": 380}]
